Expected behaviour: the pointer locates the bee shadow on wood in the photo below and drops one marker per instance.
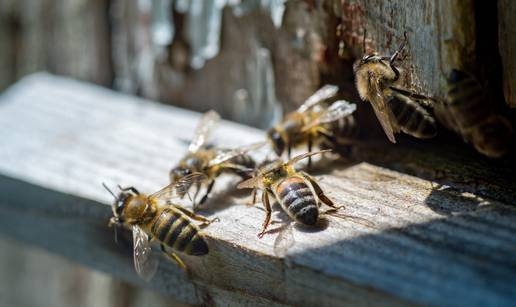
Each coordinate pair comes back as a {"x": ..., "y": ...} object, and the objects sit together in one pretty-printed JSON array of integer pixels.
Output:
[
  {"x": 281, "y": 218},
  {"x": 447, "y": 201},
  {"x": 225, "y": 195}
]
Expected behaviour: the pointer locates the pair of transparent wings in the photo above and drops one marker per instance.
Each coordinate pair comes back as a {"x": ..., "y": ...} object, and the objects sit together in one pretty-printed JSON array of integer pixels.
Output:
[
  {"x": 337, "y": 110},
  {"x": 383, "y": 112},
  {"x": 255, "y": 181},
  {"x": 144, "y": 263},
  {"x": 202, "y": 132}
]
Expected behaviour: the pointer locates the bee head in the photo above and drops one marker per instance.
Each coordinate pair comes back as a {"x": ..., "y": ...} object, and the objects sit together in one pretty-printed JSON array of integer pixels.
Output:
[
  {"x": 179, "y": 172},
  {"x": 118, "y": 205},
  {"x": 367, "y": 59},
  {"x": 277, "y": 141}
]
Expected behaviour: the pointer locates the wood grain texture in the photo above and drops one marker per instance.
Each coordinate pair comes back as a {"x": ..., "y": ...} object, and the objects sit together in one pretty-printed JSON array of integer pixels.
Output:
[
  {"x": 441, "y": 36},
  {"x": 65, "y": 37},
  {"x": 440, "y": 227},
  {"x": 507, "y": 45}
]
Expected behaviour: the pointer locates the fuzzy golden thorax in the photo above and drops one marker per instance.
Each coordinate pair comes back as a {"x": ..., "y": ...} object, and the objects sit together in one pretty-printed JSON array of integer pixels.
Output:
[
  {"x": 370, "y": 70},
  {"x": 276, "y": 173},
  {"x": 285, "y": 132},
  {"x": 137, "y": 209},
  {"x": 191, "y": 163}
]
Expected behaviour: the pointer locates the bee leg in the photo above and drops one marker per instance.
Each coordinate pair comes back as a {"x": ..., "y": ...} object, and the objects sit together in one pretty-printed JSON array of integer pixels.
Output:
[
  {"x": 310, "y": 150},
  {"x": 423, "y": 100},
  {"x": 268, "y": 211},
  {"x": 333, "y": 210},
  {"x": 320, "y": 194},
  {"x": 255, "y": 191},
  {"x": 254, "y": 198},
  {"x": 289, "y": 150},
  {"x": 196, "y": 217},
  {"x": 208, "y": 191},
  {"x": 393, "y": 58},
  {"x": 172, "y": 256},
  {"x": 197, "y": 189}
]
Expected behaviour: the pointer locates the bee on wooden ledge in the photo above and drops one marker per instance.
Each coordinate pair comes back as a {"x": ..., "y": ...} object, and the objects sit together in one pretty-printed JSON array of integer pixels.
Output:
[
  {"x": 315, "y": 122},
  {"x": 297, "y": 192},
  {"x": 155, "y": 218},
  {"x": 212, "y": 161}
]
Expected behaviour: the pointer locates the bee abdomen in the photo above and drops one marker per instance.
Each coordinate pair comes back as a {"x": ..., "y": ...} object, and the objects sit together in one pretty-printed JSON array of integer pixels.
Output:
[
  {"x": 413, "y": 118},
  {"x": 493, "y": 137},
  {"x": 467, "y": 102},
  {"x": 246, "y": 161},
  {"x": 298, "y": 200},
  {"x": 174, "y": 230},
  {"x": 346, "y": 127}
]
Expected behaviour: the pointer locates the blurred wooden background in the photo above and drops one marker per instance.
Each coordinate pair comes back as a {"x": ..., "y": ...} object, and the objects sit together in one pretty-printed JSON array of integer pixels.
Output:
[{"x": 251, "y": 60}]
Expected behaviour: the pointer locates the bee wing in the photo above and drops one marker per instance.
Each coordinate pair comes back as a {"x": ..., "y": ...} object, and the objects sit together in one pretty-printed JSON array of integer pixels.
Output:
[
  {"x": 226, "y": 155},
  {"x": 178, "y": 188},
  {"x": 250, "y": 183},
  {"x": 356, "y": 219},
  {"x": 326, "y": 92},
  {"x": 339, "y": 109},
  {"x": 144, "y": 264},
  {"x": 284, "y": 241},
  {"x": 306, "y": 155},
  {"x": 203, "y": 130},
  {"x": 384, "y": 115}
]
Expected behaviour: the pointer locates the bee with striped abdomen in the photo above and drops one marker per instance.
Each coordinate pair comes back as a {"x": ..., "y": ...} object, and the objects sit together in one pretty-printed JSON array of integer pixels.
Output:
[
  {"x": 154, "y": 218},
  {"x": 315, "y": 121},
  {"x": 468, "y": 112},
  {"x": 396, "y": 109},
  {"x": 297, "y": 192},
  {"x": 212, "y": 161}
]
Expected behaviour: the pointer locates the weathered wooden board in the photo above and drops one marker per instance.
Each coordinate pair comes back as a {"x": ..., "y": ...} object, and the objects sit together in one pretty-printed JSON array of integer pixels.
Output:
[
  {"x": 66, "y": 37},
  {"x": 268, "y": 64},
  {"x": 507, "y": 42},
  {"x": 441, "y": 227},
  {"x": 48, "y": 279},
  {"x": 440, "y": 35}
]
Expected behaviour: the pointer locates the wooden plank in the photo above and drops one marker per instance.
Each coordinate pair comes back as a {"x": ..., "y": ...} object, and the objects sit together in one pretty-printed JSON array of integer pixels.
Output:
[
  {"x": 65, "y": 37},
  {"x": 441, "y": 219},
  {"x": 440, "y": 34},
  {"x": 507, "y": 42}
]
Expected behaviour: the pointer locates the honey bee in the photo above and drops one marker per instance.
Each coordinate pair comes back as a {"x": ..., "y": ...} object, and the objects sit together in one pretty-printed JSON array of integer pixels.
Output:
[
  {"x": 297, "y": 192},
  {"x": 467, "y": 112},
  {"x": 212, "y": 161},
  {"x": 314, "y": 122},
  {"x": 396, "y": 109},
  {"x": 154, "y": 218}
]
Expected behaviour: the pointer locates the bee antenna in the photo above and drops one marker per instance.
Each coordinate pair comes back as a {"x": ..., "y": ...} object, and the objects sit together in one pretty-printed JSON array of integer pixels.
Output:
[
  {"x": 305, "y": 155},
  {"x": 110, "y": 192},
  {"x": 402, "y": 46}
]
